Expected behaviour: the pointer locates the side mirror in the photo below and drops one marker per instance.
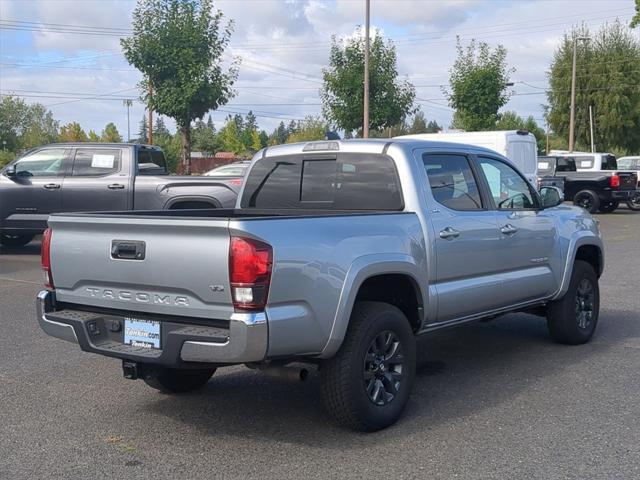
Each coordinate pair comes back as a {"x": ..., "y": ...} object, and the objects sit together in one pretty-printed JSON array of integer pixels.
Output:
[
  {"x": 10, "y": 171},
  {"x": 551, "y": 196}
]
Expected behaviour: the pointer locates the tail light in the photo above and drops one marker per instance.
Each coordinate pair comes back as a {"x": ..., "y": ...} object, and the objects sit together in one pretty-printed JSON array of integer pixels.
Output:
[
  {"x": 46, "y": 259},
  {"x": 615, "y": 180},
  {"x": 250, "y": 264}
]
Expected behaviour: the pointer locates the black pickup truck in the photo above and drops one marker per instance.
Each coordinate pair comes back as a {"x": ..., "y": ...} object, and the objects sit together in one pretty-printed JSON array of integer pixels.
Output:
[
  {"x": 595, "y": 191},
  {"x": 98, "y": 177}
]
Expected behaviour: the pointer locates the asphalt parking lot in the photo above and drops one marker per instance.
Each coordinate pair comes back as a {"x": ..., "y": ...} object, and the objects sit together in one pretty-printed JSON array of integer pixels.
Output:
[{"x": 493, "y": 400}]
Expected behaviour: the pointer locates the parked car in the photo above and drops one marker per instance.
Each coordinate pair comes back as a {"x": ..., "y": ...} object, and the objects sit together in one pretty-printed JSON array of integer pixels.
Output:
[
  {"x": 70, "y": 177},
  {"x": 339, "y": 253},
  {"x": 591, "y": 161},
  {"x": 519, "y": 146},
  {"x": 592, "y": 190},
  {"x": 632, "y": 164},
  {"x": 236, "y": 169}
]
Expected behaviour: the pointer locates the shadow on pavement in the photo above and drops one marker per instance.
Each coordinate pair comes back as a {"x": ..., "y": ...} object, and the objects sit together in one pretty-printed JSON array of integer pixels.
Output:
[
  {"x": 32, "y": 248},
  {"x": 460, "y": 372}
]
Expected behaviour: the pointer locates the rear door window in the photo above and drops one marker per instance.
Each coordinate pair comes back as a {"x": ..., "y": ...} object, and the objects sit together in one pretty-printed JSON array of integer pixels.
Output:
[
  {"x": 584, "y": 162},
  {"x": 96, "y": 162},
  {"x": 609, "y": 162},
  {"x": 151, "y": 162},
  {"x": 452, "y": 181},
  {"x": 347, "y": 181}
]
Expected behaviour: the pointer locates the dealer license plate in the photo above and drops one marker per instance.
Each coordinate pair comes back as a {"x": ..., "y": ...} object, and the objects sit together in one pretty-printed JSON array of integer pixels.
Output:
[{"x": 142, "y": 333}]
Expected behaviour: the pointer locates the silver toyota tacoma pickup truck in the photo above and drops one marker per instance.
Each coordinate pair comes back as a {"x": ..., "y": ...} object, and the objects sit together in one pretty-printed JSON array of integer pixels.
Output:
[{"x": 338, "y": 254}]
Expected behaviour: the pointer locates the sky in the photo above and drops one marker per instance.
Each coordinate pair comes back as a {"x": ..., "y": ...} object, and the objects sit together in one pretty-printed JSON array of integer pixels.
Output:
[{"x": 66, "y": 55}]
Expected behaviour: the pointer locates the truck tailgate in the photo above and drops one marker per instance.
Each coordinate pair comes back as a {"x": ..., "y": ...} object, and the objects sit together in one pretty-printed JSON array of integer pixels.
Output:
[
  {"x": 628, "y": 180},
  {"x": 184, "y": 275}
]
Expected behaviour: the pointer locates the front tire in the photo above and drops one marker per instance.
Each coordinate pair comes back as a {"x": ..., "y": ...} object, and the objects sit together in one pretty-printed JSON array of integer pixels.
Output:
[
  {"x": 367, "y": 384},
  {"x": 572, "y": 319},
  {"x": 178, "y": 380},
  {"x": 15, "y": 239},
  {"x": 588, "y": 200}
]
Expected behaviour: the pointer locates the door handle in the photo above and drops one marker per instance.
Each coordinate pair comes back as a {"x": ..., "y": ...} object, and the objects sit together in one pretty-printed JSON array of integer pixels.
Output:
[
  {"x": 508, "y": 229},
  {"x": 449, "y": 233},
  {"x": 115, "y": 186},
  {"x": 52, "y": 186}
]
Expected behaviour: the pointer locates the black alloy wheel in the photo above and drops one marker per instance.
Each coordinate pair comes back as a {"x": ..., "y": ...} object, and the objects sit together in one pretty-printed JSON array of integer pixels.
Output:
[
  {"x": 585, "y": 304},
  {"x": 383, "y": 367}
]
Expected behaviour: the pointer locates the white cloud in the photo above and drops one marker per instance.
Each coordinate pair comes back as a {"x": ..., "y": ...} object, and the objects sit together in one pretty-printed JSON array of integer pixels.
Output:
[{"x": 285, "y": 44}]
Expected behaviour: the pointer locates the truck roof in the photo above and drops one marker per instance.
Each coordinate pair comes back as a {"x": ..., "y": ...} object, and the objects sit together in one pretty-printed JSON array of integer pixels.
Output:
[
  {"x": 101, "y": 144},
  {"x": 360, "y": 145}
]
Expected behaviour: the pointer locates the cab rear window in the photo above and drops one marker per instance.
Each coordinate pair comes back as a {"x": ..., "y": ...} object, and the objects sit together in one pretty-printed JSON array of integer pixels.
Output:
[{"x": 344, "y": 181}]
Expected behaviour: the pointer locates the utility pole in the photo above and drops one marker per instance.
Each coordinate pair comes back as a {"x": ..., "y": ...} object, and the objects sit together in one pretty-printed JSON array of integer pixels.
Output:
[
  {"x": 593, "y": 147},
  {"x": 572, "y": 113},
  {"x": 365, "y": 120},
  {"x": 127, "y": 103},
  {"x": 150, "y": 122},
  {"x": 547, "y": 149}
]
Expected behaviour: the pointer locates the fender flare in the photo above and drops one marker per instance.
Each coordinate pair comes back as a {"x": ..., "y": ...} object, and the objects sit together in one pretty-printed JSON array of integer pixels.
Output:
[
  {"x": 361, "y": 269},
  {"x": 578, "y": 239}
]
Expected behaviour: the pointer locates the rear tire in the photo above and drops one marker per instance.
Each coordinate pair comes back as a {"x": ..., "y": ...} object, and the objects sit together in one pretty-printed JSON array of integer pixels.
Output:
[
  {"x": 367, "y": 384},
  {"x": 178, "y": 380},
  {"x": 15, "y": 239},
  {"x": 609, "y": 207},
  {"x": 572, "y": 320},
  {"x": 634, "y": 203},
  {"x": 588, "y": 200}
]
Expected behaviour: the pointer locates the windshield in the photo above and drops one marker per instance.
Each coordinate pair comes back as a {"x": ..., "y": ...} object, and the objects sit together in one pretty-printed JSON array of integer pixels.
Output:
[
  {"x": 628, "y": 164},
  {"x": 228, "y": 171}
]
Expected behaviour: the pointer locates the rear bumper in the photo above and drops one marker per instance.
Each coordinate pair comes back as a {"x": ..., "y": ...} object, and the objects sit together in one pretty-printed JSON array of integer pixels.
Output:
[
  {"x": 245, "y": 340},
  {"x": 623, "y": 194}
]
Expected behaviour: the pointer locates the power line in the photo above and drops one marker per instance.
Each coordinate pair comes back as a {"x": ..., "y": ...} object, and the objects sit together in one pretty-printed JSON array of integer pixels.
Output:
[{"x": 127, "y": 31}]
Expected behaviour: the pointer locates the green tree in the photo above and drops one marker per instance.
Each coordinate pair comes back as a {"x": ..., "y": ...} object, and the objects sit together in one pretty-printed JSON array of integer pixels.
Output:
[
  {"x": 635, "y": 21},
  {"x": 178, "y": 46},
  {"x": 256, "y": 144},
  {"x": 264, "y": 139},
  {"x": 433, "y": 127},
  {"x": 110, "y": 134},
  {"x": 608, "y": 79},
  {"x": 311, "y": 128},
  {"x": 159, "y": 127},
  {"x": 171, "y": 145},
  {"x": 478, "y": 85},
  {"x": 279, "y": 135},
  {"x": 510, "y": 120},
  {"x": 391, "y": 100},
  {"x": 248, "y": 127},
  {"x": 72, "y": 132},
  {"x": 230, "y": 137},
  {"x": 205, "y": 138},
  {"x": 418, "y": 124},
  {"x": 25, "y": 126},
  {"x": 93, "y": 136},
  {"x": 143, "y": 130}
]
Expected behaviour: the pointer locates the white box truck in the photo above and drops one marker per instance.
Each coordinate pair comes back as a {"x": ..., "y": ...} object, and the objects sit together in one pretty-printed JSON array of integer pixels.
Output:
[{"x": 519, "y": 146}]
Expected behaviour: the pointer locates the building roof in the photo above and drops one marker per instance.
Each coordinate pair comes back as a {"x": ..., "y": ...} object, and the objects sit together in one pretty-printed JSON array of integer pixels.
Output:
[{"x": 225, "y": 155}]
